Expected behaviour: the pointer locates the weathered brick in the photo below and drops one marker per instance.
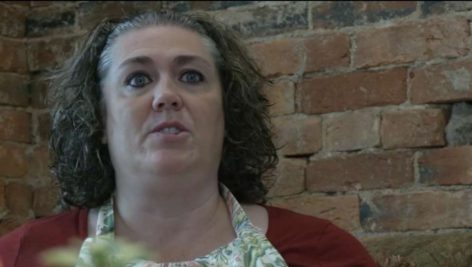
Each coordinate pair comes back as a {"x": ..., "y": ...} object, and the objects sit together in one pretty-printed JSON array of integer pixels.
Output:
[
  {"x": 3, "y": 205},
  {"x": 38, "y": 160},
  {"x": 418, "y": 211},
  {"x": 424, "y": 249},
  {"x": 13, "y": 55},
  {"x": 433, "y": 7},
  {"x": 343, "y": 13},
  {"x": 19, "y": 198},
  {"x": 39, "y": 90},
  {"x": 49, "y": 21},
  {"x": 16, "y": 125},
  {"x": 13, "y": 161},
  {"x": 326, "y": 51},
  {"x": 352, "y": 91},
  {"x": 447, "y": 166},
  {"x": 351, "y": 131},
  {"x": 440, "y": 7},
  {"x": 266, "y": 20},
  {"x": 45, "y": 200},
  {"x": 90, "y": 13},
  {"x": 43, "y": 54},
  {"x": 281, "y": 96},
  {"x": 297, "y": 134},
  {"x": 36, "y": 4},
  {"x": 44, "y": 126},
  {"x": 441, "y": 83},
  {"x": 184, "y": 6},
  {"x": 459, "y": 126},
  {"x": 289, "y": 178},
  {"x": 14, "y": 89},
  {"x": 360, "y": 172},
  {"x": 341, "y": 210},
  {"x": 413, "y": 41},
  {"x": 12, "y": 20},
  {"x": 17, "y": 3},
  {"x": 278, "y": 57},
  {"x": 413, "y": 128}
]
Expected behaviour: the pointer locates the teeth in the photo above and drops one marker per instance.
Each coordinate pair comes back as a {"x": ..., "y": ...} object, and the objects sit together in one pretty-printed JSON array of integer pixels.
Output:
[{"x": 170, "y": 130}]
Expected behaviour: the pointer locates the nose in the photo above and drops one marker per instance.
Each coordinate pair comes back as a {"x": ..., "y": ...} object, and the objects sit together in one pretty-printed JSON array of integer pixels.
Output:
[{"x": 166, "y": 98}]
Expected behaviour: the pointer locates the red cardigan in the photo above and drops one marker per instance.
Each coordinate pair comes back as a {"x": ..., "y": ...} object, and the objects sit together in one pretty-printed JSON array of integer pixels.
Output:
[{"x": 302, "y": 240}]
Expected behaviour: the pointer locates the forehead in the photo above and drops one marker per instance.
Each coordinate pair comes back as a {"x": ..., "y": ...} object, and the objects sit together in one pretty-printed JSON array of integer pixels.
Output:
[{"x": 162, "y": 41}]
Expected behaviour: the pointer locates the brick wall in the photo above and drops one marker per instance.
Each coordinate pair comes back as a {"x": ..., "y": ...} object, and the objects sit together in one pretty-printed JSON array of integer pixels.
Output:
[{"x": 369, "y": 107}]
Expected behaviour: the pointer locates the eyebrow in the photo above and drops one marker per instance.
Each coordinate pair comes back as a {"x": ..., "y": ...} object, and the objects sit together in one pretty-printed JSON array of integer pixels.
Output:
[
  {"x": 179, "y": 60},
  {"x": 184, "y": 59},
  {"x": 142, "y": 60}
]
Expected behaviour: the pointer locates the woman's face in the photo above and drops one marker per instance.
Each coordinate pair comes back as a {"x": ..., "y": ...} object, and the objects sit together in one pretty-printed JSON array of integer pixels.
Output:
[{"x": 163, "y": 98}]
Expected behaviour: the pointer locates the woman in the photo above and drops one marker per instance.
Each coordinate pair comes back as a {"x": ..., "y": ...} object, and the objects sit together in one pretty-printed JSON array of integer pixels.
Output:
[{"x": 159, "y": 132}]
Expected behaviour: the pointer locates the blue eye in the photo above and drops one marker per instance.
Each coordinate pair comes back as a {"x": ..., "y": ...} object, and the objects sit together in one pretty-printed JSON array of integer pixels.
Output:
[
  {"x": 192, "y": 77},
  {"x": 138, "y": 80}
]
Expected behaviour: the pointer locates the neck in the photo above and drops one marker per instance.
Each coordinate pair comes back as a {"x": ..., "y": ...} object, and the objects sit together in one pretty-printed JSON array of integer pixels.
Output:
[
  {"x": 165, "y": 197},
  {"x": 169, "y": 213}
]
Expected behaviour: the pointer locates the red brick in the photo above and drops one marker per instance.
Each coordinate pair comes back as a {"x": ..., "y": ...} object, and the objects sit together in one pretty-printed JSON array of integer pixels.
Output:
[
  {"x": 447, "y": 166},
  {"x": 360, "y": 172},
  {"x": 13, "y": 55},
  {"x": 289, "y": 178},
  {"x": 44, "y": 126},
  {"x": 13, "y": 162},
  {"x": 297, "y": 134},
  {"x": 327, "y": 51},
  {"x": 413, "y": 128},
  {"x": 45, "y": 200},
  {"x": 19, "y": 198},
  {"x": 441, "y": 83},
  {"x": 419, "y": 211},
  {"x": 281, "y": 96},
  {"x": 39, "y": 163},
  {"x": 278, "y": 57},
  {"x": 413, "y": 41},
  {"x": 43, "y": 54},
  {"x": 352, "y": 91},
  {"x": 16, "y": 125},
  {"x": 341, "y": 210},
  {"x": 420, "y": 248},
  {"x": 351, "y": 131},
  {"x": 14, "y": 89},
  {"x": 12, "y": 20}
]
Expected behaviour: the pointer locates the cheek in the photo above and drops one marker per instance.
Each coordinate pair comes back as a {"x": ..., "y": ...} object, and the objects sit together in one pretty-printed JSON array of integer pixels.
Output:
[{"x": 123, "y": 117}]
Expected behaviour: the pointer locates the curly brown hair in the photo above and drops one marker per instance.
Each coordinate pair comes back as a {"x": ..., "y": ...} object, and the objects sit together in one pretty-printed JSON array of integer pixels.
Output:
[{"x": 80, "y": 160}]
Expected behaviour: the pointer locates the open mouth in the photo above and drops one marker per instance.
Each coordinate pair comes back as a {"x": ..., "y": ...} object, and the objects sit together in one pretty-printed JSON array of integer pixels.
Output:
[{"x": 170, "y": 130}]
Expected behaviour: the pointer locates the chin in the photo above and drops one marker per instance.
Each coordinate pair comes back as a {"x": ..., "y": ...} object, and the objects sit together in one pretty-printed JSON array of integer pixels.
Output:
[{"x": 168, "y": 164}]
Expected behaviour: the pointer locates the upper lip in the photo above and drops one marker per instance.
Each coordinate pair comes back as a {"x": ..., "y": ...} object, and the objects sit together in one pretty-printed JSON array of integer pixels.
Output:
[{"x": 169, "y": 124}]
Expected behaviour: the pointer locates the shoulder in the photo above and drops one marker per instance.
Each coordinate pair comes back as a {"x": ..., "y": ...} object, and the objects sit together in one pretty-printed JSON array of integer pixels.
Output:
[
  {"x": 22, "y": 246},
  {"x": 309, "y": 241}
]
